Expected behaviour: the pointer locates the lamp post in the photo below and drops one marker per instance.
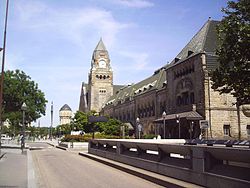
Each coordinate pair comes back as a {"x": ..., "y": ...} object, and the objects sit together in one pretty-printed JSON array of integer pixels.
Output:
[
  {"x": 139, "y": 127},
  {"x": 191, "y": 129},
  {"x": 179, "y": 124},
  {"x": 164, "y": 128},
  {"x": 23, "y": 108},
  {"x": 51, "y": 121}
]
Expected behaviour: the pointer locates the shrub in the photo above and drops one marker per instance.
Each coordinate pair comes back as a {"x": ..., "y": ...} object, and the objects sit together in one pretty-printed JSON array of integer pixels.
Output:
[
  {"x": 149, "y": 136},
  {"x": 86, "y": 137}
]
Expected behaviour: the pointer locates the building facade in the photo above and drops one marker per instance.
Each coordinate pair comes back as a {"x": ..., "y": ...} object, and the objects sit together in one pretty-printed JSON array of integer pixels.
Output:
[
  {"x": 100, "y": 81},
  {"x": 182, "y": 89},
  {"x": 65, "y": 114}
]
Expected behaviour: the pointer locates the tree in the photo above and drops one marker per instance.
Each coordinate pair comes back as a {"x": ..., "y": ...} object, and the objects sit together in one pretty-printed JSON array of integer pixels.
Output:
[
  {"x": 233, "y": 73},
  {"x": 112, "y": 127},
  {"x": 80, "y": 121},
  {"x": 19, "y": 88}
]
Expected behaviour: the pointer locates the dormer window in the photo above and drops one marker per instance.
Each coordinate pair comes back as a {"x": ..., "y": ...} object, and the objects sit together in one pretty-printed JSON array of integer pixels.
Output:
[
  {"x": 190, "y": 52},
  {"x": 176, "y": 59},
  {"x": 164, "y": 83}
]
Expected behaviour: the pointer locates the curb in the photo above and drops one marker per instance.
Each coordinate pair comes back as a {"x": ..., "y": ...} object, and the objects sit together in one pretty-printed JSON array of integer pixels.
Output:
[
  {"x": 14, "y": 147},
  {"x": 60, "y": 147},
  {"x": 150, "y": 176},
  {"x": 1, "y": 156},
  {"x": 51, "y": 144}
]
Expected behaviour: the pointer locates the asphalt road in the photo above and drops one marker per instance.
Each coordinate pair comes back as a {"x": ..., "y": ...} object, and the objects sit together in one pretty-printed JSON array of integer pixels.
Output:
[{"x": 58, "y": 168}]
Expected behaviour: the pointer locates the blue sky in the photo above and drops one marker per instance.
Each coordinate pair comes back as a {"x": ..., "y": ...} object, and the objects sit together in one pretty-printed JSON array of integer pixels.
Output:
[{"x": 53, "y": 40}]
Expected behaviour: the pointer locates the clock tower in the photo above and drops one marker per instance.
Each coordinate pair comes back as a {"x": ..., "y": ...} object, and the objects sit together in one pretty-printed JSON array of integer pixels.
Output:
[{"x": 100, "y": 83}]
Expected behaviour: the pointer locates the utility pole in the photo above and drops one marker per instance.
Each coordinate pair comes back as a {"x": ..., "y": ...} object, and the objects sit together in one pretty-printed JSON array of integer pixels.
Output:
[{"x": 2, "y": 73}]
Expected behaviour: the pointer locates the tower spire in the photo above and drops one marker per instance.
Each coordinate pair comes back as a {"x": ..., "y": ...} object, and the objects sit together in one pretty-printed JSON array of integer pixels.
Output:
[{"x": 100, "y": 46}]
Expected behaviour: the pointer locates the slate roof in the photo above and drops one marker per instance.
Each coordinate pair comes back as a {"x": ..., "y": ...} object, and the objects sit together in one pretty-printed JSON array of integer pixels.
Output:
[
  {"x": 100, "y": 46},
  {"x": 154, "y": 82},
  {"x": 117, "y": 88},
  {"x": 205, "y": 40},
  {"x": 65, "y": 108}
]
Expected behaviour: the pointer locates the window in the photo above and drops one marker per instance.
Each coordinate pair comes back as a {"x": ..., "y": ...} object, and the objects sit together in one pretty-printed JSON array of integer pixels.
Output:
[
  {"x": 248, "y": 130},
  {"x": 102, "y": 91},
  {"x": 226, "y": 129},
  {"x": 192, "y": 98},
  {"x": 179, "y": 101},
  {"x": 185, "y": 98}
]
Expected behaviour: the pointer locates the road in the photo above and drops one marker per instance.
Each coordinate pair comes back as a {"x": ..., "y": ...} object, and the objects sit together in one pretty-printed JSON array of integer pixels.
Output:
[{"x": 58, "y": 168}]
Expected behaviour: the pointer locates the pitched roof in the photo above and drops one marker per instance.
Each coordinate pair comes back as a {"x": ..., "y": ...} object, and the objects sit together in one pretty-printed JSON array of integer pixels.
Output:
[
  {"x": 205, "y": 40},
  {"x": 117, "y": 88},
  {"x": 65, "y": 108},
  {"x": 154, "y": 82},
  {"x": 100, "y": 46}
]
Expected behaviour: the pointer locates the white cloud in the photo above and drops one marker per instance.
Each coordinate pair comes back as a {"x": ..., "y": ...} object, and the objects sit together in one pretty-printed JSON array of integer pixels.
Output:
[
  {"x": 139, "y": 60},
  {"x": 78, "y": 25},
  {"x": 134, "y": 3}
]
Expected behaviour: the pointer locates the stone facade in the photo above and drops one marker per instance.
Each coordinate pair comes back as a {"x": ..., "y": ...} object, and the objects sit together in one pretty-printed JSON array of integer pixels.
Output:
[
  {"x": 100, "y": 81},
  {"x": 65, "y": 115},
  {"x": 181, "y": 89},
  {"x": 145, "y": 100}
]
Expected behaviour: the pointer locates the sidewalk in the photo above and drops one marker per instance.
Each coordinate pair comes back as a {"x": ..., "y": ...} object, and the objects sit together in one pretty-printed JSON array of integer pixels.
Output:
[
  {"x": 13, "y": 168},
  {"x": 16, "y": 167}
]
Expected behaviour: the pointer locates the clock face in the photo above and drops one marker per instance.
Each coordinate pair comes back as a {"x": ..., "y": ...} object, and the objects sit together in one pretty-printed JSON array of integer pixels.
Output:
[{"x": 102, "y": 64}]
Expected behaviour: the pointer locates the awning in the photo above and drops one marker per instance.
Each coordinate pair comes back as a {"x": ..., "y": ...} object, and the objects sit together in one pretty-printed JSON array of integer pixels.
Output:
[
  {"x": 129, "y": 125},
  {"x": 191, "y": 115}
]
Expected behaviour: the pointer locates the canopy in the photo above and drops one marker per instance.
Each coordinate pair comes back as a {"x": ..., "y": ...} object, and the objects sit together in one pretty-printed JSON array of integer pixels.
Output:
[{"x": 191, "y": 115}]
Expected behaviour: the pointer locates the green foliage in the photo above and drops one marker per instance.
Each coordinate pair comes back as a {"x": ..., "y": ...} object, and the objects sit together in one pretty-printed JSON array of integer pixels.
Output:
[
  {"x": 112, "y": 127},
  {"x": 149, "y": 136},
  {"x": 233, "y": 73},
  {"x": 75, "y": 138},
  {"x": 64, "y": 129},
  {"x": 80, "y": 122},
  {"x": 19, "y": 88},
  {"x": 86, "y": 137}
]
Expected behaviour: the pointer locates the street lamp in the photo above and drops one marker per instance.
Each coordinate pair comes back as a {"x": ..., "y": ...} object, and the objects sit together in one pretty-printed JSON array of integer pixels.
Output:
[
  {"x": 179, "y": 124},
  {"x": 191, "y": 129},
  {"x": 164, "y": 128},
  {"x": 23, "y": 108},
  {"x": 139, "y": 127},
  {"x": 51, "y": 125}
]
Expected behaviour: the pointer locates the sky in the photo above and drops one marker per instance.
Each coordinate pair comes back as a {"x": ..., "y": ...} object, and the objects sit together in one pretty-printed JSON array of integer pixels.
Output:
[{"x": 52, "y": 41}]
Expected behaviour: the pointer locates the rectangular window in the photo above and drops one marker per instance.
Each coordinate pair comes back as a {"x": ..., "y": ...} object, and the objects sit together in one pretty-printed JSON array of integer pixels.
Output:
[
  {"x": 185, "y": 98},
  {"x": 192, "y": 98},
  {"x": 248, "y": 130},
  {"x": 226, "y": 129}
]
